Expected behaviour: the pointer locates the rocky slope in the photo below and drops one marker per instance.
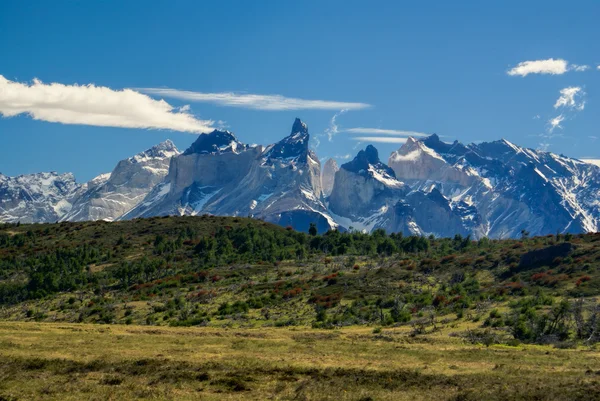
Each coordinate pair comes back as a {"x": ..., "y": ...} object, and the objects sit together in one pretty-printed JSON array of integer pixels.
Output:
[
  {"x": 109, "y": 196},
  {"x": 328, "y": 176},
  {"x": 36, "y": 198}
]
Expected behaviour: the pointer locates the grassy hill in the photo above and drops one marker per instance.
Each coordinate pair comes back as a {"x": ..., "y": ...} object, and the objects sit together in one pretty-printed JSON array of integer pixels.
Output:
[
  {"x": 94, "y": 311},
  {"x": 238, "y": 272}
]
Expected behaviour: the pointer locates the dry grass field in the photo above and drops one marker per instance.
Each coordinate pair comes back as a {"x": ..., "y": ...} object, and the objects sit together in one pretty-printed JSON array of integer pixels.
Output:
[{"x": 117, "y": 362}]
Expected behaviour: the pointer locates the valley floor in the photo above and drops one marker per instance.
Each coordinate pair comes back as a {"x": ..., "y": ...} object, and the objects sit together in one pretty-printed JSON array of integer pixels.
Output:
[{"x": 82, "y": 361}]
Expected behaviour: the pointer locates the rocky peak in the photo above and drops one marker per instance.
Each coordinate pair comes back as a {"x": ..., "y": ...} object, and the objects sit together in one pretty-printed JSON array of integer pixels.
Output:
[
  {"x": 294, "y": 146},
  {"x": 371, "y": 154},
  {"x": 452, "y": 150},
  {"x": 331, "y": 164},
  {"x": 164, "y": 147},
  {"x": 366, "y": 160},
  {"x": 433, "y": 138},
  {"x": 411, "y": 144},
  {"x": 98, "y": 180},
  {"x": 328, "y": 176},
  {"x": 162, "y": 150},
  {"x": 216, "y": 142},
  {"x": 299, "y": 127}
]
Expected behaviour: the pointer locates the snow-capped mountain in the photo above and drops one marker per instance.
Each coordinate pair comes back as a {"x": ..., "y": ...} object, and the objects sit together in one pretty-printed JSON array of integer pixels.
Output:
[
  {"x": 503, "y": 188},
  {"x": 367, "y": 195},
  {"x": 220, "y": 175},
  {"x": 287, "y": 184},
  {"x": 495, "y": 189},
  {"x": 109, "y": 196},
  {"x": 214, "y": 164},
  {"x": 363, "y": 192},
  {"x": 36, "y": 198}
]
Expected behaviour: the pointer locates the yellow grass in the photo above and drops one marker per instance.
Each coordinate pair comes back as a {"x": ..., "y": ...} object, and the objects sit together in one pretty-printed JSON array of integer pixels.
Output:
[{"x": 71, "y": 361}]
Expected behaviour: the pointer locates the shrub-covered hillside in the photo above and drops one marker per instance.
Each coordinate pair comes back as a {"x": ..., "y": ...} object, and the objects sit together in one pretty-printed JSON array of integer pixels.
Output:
[{"x": 226, "y": 271}]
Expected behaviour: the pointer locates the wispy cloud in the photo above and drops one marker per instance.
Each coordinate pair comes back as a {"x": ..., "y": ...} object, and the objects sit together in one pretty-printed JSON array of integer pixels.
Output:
[
  {"x": 254, "y": 101},
  {"x": 316, "y": 141},
  {"x": 94, "y": 105},
  {"x": 543, "y": 146},
  {"x": 333, "y": 128},
  {"x": 379, "y": 131},
  {"x": 579, "y": 68},
  {"x": 340, "y": 157},
  {"x": 547, "y": 134},
  {"x": 571, "y": 97},
  {"x": 555, "y": 122},
  {"x": 381, "y": 135},
  {"x": 570, "y": 102},
  {"x": 550, "y": 66},
  {"x": 380, "y": 139}
]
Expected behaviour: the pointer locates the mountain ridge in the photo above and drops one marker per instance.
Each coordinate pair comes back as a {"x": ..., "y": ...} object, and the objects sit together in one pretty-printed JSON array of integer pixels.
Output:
[{"x": 428, "y": 187}]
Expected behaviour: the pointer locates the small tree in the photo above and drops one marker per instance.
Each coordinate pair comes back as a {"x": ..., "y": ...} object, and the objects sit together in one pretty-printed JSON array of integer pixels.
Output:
[{"x": 300, "y": 252}]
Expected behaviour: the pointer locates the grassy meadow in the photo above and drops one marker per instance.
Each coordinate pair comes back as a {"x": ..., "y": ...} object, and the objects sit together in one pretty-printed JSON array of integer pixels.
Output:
[{"x": 57, "y": 361}]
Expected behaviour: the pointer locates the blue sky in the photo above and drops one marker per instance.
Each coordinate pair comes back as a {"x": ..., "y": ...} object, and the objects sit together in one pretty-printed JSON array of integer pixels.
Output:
[{"x": 423, "y": 67}]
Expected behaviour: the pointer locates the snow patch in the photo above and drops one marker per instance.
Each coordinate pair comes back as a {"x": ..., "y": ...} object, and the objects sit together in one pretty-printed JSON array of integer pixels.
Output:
[{"x": 384, "y": 178}]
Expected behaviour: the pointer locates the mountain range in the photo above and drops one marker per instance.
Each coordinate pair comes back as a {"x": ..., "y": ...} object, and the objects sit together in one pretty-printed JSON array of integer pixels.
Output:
[{"x": 428, "y": 187}]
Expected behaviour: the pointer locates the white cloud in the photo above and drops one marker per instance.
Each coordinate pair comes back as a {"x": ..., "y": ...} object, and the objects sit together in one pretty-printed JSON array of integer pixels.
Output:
[
  {"x": 254, "y": 101},
  {"x": 379, "y": 131},
  {"x": 380, "y": 139},
  {"x": 550, "y": 66},
  {"x": 571, "y": 97},
  {"x": 555, "y": 122},
  {"x": 94, "y": 105}
]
